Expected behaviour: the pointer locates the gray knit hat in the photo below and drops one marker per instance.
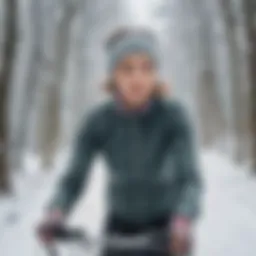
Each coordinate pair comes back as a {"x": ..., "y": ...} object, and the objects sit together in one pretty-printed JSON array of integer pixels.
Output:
[{"x": 131, "y": 40}]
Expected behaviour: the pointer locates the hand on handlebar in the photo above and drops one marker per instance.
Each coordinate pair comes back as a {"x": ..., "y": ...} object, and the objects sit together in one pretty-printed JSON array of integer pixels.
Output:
[
  {"x": 181, "y": 237},
  {"x": 52, "y": 224}
]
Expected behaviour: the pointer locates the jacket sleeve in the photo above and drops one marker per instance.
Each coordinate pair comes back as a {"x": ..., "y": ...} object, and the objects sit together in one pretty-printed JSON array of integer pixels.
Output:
[
  {"x": 76, "y": 175},
  {"x": 186, "y": 155}
]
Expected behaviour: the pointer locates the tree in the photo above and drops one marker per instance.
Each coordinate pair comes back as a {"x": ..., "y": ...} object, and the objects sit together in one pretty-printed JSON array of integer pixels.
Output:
[
  {"x": 50, "y": 122},
  {"x": 210, "y": 109},
  {"x": 31, "y": 82},
  {"x": 10, "y": 38},
  {"x": 250, "y": 14},
  {"x": 238, "y": 95}
]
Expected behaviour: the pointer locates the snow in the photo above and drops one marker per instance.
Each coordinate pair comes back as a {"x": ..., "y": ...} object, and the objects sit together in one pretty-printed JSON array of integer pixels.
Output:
[{"x": 227, "y": 225}]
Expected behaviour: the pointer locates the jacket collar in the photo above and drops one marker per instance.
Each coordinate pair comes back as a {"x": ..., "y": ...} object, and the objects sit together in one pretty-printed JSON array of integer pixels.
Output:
[{"x": 142, "y": 111}]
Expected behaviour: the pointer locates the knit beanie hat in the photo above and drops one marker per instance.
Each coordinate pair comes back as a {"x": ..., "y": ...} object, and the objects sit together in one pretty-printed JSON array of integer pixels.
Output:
[{"x": 129, "y": 41}]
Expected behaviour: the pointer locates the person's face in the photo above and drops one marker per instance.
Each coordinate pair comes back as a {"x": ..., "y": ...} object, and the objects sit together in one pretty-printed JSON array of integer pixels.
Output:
[{"x": 135, "y": 78}]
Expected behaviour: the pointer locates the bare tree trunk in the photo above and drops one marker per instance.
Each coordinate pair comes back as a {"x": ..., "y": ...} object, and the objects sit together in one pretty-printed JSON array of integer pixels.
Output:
[
  {"x": 35, "y": 62},
  {"x": 211, "y": 115},
  {"x": 250, "y": 16},
  {"x": 45, "y": 72},
  {"x": 81, "y": 49},
  {"x": 50, "y": 128},
  {"x": 212, "y": 121},
  {"x": 5, "y": 76},
  {"x": 238, "y": 102},
  {"x": 2, "y": 16}
]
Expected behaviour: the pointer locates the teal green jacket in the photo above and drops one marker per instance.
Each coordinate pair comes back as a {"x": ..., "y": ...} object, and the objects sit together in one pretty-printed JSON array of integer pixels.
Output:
[{"x": 151, "y": 161}]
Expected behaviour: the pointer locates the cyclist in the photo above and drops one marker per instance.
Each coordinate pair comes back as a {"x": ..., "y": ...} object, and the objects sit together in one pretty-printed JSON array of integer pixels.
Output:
[{"x": 148, "y": 144}]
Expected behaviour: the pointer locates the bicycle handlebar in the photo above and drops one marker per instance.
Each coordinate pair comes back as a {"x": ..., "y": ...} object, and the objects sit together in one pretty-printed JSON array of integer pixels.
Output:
[
  {"x": 64, "y": 233},
  {"x": 148, "y": 241}
]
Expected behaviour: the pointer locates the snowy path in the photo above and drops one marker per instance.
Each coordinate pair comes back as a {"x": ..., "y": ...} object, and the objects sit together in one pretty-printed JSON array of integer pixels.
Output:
[{"x": 227, "y": 228}]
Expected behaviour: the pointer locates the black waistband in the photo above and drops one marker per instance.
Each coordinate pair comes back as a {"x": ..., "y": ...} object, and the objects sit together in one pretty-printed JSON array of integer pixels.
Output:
[{"x": 115, "y": 224}]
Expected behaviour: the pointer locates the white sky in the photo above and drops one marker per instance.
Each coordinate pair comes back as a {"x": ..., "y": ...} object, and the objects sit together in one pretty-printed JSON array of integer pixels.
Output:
[{"x": 140, "y": 11}]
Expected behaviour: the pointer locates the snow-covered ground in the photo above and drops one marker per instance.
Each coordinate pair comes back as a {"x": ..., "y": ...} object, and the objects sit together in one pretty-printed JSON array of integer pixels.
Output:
[{"x": 227, "y": 226}]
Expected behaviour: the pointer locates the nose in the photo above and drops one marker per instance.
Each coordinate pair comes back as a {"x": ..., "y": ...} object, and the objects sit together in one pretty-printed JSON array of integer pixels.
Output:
[{"x": 137, "y": 75}]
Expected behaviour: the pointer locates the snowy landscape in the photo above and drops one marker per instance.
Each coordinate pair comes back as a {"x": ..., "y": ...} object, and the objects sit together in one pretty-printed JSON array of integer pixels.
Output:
[
  {"x": 59, "y": 59},
  {"x": 227, "y": 225}
]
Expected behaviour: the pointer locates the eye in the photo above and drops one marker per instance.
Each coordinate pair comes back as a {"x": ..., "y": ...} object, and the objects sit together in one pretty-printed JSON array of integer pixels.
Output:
[{"x": 127, "y": 68}]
